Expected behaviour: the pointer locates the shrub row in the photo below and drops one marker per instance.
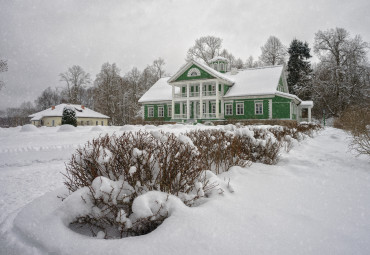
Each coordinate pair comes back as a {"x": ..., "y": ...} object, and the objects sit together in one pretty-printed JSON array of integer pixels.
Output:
[{"x": 118, "y": 169}]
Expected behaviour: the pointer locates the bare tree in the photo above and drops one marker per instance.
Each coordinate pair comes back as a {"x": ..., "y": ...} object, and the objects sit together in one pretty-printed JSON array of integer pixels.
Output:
[
  {"x": 47, "y": 99},
  {"x": 75, "y": 78},
  {"x": 342, "y": 77},
  {"x": 205, "y": 48},
  {"x": 238, "y": 63},
  {"x": 107, "y": 90},
  {"x": 250, "y": 63},
  {"x": 3, "y": 68},
  {"x": 273, "y": 52},
  {"x": 158, "y": 65}
]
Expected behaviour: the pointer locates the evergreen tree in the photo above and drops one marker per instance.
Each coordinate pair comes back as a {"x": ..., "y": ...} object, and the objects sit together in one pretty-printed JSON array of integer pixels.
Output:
[
  {"x": 69, "y": 116},
  {"x": 299, "y": 77}
]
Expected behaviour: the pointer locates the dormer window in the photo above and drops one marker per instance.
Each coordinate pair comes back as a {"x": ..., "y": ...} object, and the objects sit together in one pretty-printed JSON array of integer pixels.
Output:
[{"x": 193, "y": 72}]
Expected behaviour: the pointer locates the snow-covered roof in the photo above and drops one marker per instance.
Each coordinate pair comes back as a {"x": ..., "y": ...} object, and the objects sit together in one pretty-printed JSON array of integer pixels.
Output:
[
  {"x": 81, "y": 112},
  {"x": 160, "y": 91},
  {"x": 218, "y": 58},
  {"x": 307, "y": 103},
  {"x": 247, "y": 82},
  {"x": 255, "y": 81}
]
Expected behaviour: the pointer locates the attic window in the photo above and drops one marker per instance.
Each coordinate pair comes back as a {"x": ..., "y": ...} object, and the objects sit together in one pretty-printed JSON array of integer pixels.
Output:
[{"x": 194, "y": 72}]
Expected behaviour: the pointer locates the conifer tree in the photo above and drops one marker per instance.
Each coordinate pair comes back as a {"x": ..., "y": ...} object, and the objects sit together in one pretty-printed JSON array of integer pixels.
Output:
[
  {"x": 299, "y": 69},
  {"x": 69, "y": 116}
]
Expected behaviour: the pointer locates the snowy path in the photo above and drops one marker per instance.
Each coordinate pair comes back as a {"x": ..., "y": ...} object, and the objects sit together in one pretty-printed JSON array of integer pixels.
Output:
[{"x": 315, "y": 201}]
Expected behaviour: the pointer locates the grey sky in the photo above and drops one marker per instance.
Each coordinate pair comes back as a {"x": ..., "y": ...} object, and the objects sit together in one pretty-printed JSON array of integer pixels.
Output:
[{"x": 41, "y": 39}]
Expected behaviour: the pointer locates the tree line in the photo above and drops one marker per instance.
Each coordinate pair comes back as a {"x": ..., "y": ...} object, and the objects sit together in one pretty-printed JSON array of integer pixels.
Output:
[
  {"x": 110, "y": 93},
  {"x": 339, "y": 80}
]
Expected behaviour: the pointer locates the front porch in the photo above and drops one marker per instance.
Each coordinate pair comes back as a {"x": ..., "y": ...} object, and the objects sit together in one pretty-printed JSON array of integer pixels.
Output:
[{"x": 198, "y": 110}]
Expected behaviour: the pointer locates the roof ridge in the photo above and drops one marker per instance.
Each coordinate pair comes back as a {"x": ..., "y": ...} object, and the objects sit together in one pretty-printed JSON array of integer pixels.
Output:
[{"x": 260, "y": 67}]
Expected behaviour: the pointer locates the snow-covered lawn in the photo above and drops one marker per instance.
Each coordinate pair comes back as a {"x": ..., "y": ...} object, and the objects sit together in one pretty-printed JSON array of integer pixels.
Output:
[{"x": 316, "y": 200}]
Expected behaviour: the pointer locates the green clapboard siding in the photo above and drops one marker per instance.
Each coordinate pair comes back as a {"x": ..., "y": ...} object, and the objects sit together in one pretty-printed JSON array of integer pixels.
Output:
[
  {"x": 203, "y": 75},
  {"x": 281, "y": 108},
  {"x": 249, "y": 111},
  {"x": 165, "y": 118}
]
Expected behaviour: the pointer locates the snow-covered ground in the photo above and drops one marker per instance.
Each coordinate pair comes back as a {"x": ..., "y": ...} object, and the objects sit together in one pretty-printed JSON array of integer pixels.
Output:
[{"x": 316, "y": 200}]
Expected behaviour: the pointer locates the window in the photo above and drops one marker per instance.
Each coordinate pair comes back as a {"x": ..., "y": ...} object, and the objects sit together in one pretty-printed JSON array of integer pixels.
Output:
[
  {"x": 258, "y": 108},
  {"x": 204, "y": 108},
  {"x": 88, "y": 123},
  {"x": 150, "y": 112},
  {"x": 213, "y": 108},
  {"x": 229, "y": 109},
  {"x": 169, "y": 110},
  {"x": 239, "y": 108},
  {"x": 102, "y": 123},
  {"x": 222, "y": 67},
  {"x": 97, "y": 123},
  {"x": 160, "y": 111},
  {"x": 53, "y": 123},
  {"x": 185, "y": 109},
  {"x": 82, "y": 122}
]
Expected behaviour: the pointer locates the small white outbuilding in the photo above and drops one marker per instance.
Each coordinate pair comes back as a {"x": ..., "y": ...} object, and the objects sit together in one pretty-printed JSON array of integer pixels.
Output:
[{"x": 53, "y": 116}]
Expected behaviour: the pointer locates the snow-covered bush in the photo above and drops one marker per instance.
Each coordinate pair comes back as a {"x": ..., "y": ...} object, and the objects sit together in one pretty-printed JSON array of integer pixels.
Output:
[
  {"x": 219, "y": 149},
  {"x": 117, "y": 170},
  {"x": 69, "y": 116}
]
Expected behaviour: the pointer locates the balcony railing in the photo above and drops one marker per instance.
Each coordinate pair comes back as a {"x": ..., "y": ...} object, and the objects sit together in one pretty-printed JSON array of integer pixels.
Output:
[
  {"x": 197, "y": 116},
  {"x": 209, "y": 93},
  {"x": 196, "y": 94}
]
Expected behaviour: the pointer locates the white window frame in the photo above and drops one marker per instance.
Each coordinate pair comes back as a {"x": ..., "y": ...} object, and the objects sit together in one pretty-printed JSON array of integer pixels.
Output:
[
  {"x": 169, "y": 110},
  {"x": 226, "y": 109},
  {"x": 213, "y": 108},
  {"x": 150, "y": 111},
  {"x": 237, "y": 108},
  {"x": 160, "y": 111},
  {"x": 257, "y": 108}
]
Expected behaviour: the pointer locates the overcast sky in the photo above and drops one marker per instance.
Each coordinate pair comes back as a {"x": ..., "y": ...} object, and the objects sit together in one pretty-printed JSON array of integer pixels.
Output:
[{"x": 41, "y": 39}]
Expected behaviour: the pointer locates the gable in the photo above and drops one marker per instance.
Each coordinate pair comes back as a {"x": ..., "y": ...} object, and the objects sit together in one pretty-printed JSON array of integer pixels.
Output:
[{"x": 194, "y": 72}]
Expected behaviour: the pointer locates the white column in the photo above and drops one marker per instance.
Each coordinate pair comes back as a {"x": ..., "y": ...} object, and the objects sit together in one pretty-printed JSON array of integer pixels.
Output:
[
  {"x": 309, "y": 114},
  {"x": 173, "y": 103},
  {"x": 217, "y": 101},
  {"x": 188, "y": 101},
  {"x": 290, "y": 109},
  {"x": 201, "y": 100},
  {"x": 270, "y": 109},
  {"x": 181, "y": 108},
  {"x": 222, "y": 102}
]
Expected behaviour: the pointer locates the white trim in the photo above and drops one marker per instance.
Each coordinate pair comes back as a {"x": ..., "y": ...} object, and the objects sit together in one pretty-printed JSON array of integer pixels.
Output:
[
  {"x": 229, "y": 104},
  {"x": 270, "y": 109},
  {"x": 169, "y": 107},
  {"x": 236, "y": 108},
  {"x": 255, "y": 109},
  {"x": 162, "y": 111},
  {"x": 149, "y": 115}
]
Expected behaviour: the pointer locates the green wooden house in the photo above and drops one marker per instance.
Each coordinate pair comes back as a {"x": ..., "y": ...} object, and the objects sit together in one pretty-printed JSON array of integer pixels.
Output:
[{"x": 200, "y": 92}]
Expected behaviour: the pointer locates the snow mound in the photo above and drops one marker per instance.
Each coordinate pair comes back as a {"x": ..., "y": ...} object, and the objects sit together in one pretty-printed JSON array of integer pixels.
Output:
[
  {"x": 150, "y": 127},
  {"x": 29, "y": 128},
  {"x": 66, "y": 128},
  {"x": 127, "y": 128},
  {"x": 97, "y": 128}
]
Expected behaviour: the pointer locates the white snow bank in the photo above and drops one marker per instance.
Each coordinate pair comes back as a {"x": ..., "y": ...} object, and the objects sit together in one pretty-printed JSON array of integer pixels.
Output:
[
  {"x": 128, "y": 128},
  {"x": 97, "y": 128},
  {"x": 29, "y": 128},
  {"x": 66, "y": 128}
]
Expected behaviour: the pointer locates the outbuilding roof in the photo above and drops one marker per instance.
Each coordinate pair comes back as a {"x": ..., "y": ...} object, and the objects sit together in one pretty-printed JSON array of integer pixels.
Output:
[{"x": 57, "y": 111}]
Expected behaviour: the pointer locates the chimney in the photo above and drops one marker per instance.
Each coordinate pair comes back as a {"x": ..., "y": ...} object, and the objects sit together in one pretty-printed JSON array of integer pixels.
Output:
[
  {"x": 53, "y": 107},
  {"x": 83, "y": 107}
]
